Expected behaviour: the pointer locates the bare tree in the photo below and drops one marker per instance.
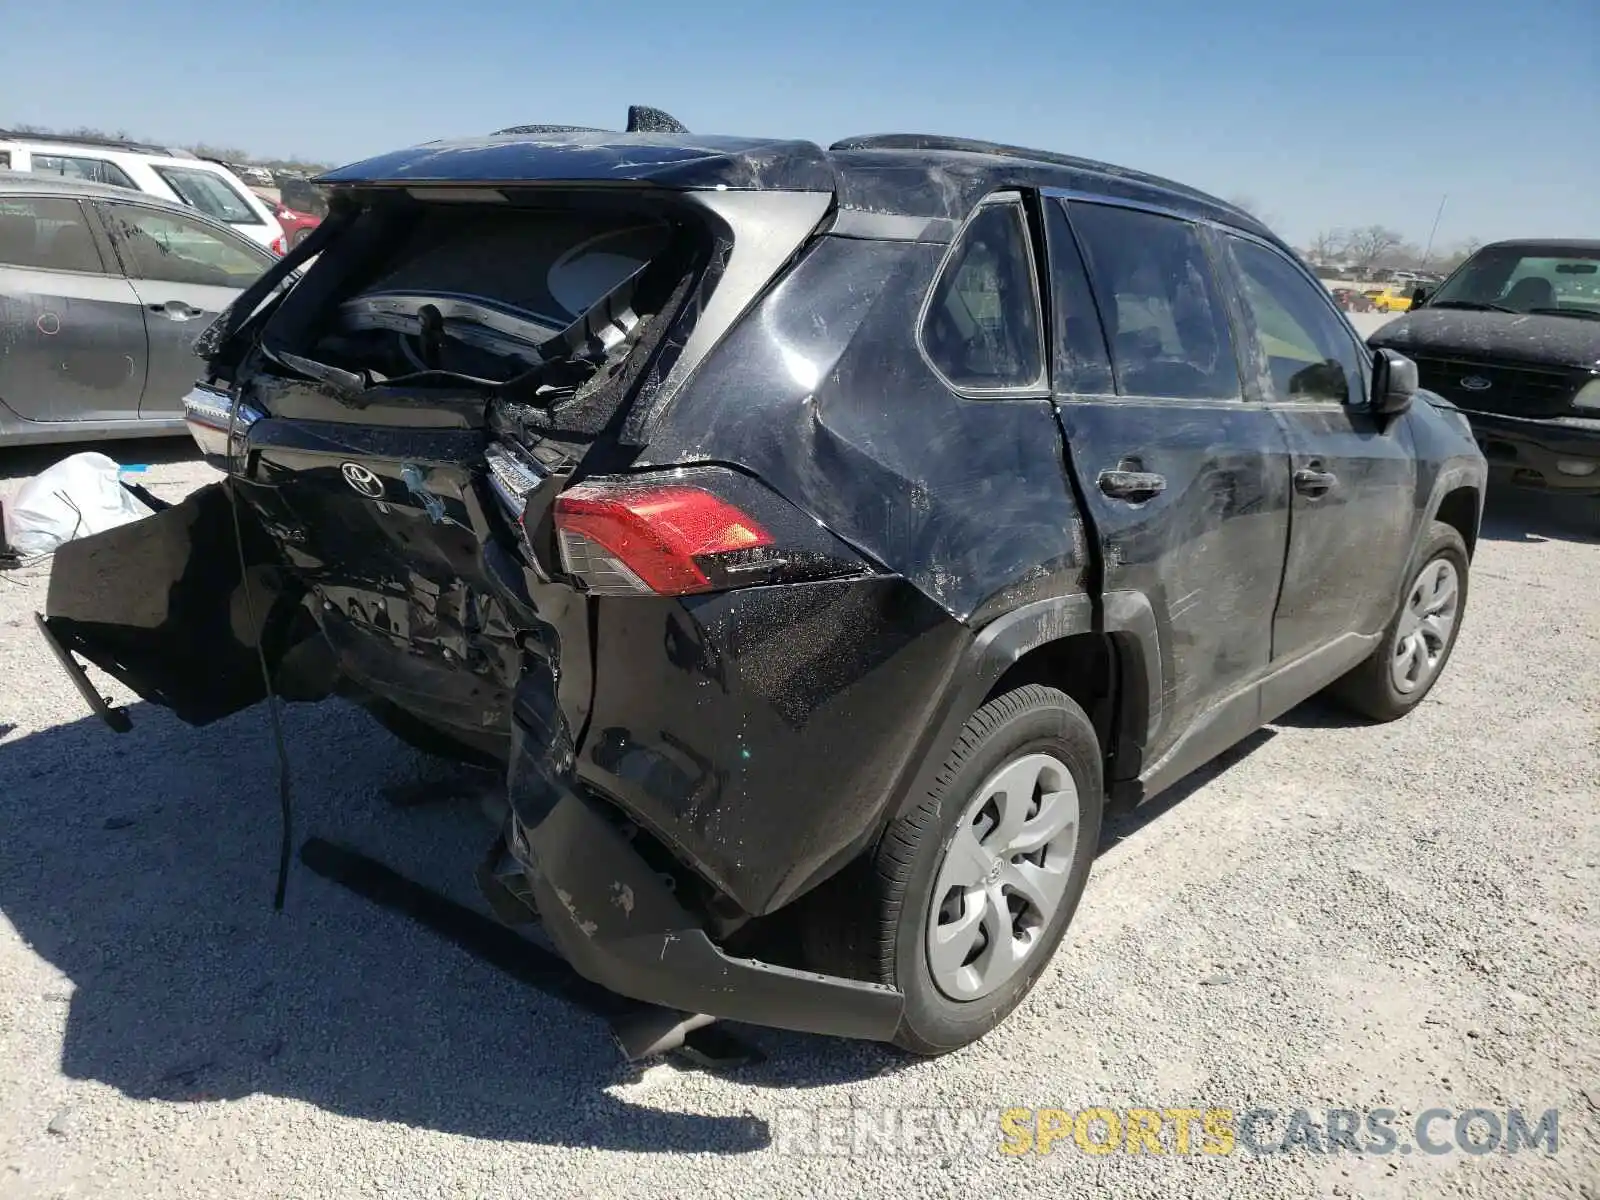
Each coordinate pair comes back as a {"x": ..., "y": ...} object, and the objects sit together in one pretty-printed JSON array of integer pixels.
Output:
[
  {"x": 1463, "y": 250},
  {"x": 1328, "y": 247},
  {"x": 1371, "y": 243}
]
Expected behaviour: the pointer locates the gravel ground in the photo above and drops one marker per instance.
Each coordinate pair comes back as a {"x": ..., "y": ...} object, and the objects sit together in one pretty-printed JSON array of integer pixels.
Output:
[{"x": 1332, "y": 916}]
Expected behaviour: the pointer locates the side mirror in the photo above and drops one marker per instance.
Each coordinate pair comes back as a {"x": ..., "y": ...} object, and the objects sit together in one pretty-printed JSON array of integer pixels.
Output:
[
  {"x": 1418, "y": 295},
  {"x": 1394, "y": 382}
]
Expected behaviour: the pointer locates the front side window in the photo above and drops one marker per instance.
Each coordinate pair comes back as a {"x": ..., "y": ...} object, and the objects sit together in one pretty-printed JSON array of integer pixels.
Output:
[
  {"x": 1303, "y": 345},
  {"x": 95, "y": 170},
  {"x": 1159, "y": 301},
  {"x": 171, "y": 248},
  {"x": 210, "y": 193},
  {"x": 982, "y": 329},
  {"x": 46, "y": 233}
]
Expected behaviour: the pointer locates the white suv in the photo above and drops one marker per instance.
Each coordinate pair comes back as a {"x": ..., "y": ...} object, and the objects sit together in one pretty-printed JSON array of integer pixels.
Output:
[{"x": 171, "y": 174}]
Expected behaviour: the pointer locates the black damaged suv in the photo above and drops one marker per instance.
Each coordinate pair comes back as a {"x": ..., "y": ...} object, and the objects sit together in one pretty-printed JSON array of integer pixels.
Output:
[{"x": 817, "y": 538}]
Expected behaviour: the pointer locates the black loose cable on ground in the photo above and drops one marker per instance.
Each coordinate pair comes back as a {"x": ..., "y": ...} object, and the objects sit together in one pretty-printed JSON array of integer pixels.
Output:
[{"x": 285, "y": 807}]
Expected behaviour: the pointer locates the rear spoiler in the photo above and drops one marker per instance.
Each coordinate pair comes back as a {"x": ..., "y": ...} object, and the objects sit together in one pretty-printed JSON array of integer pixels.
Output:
[{"x": 641, "y": 119}]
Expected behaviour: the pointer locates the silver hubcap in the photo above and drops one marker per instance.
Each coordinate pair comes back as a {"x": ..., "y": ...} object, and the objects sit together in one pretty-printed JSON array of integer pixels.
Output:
[
  {"x": 1003, "y": 876},
  {"x": 1425, "y": 624}
]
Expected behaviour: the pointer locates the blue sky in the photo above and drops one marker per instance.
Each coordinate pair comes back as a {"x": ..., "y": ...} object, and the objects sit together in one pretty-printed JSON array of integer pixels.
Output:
[{"x": 1325, "y": 114}]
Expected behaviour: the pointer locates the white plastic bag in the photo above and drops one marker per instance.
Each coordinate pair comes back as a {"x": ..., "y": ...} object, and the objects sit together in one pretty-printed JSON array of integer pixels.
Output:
[{"x": 78, "y": 496}]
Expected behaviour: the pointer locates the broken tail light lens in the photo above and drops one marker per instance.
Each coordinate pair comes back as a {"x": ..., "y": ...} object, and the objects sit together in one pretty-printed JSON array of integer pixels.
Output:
[{"x": 684, "y": 532}]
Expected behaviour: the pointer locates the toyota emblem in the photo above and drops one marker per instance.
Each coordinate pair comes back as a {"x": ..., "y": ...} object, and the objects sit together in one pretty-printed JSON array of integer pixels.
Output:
[
  {"x": 1476, "y": 383},
  {"x": 363, "y": 480}
]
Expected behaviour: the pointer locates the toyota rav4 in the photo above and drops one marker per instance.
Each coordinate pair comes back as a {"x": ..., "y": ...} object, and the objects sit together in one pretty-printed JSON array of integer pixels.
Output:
[{"x": 817, "y": 539}]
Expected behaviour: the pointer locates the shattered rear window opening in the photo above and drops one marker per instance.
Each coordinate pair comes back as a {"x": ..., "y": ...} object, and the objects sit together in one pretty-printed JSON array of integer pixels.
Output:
[{"x": 481, "y": 292}]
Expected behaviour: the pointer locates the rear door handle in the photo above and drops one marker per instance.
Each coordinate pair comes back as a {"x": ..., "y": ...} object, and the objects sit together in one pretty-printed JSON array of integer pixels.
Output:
[
  {"x": 1132, "y": 485},
  {"x": 1310, "y": 481},
  {"x": 177, "y": 310}
]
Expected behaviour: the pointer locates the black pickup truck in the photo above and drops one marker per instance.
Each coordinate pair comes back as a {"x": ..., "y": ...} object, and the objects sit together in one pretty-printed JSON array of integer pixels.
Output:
[
  {"x": 1513, "y": 338},
  {"x": 817, "y": 538}
]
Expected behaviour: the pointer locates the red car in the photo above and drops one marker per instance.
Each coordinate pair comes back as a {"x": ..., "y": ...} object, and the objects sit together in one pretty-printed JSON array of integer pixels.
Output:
[
  {"x": 296, "y": 224},
  {"x": 299, "y": 208},
  {"x": 1346, "y": 298}
]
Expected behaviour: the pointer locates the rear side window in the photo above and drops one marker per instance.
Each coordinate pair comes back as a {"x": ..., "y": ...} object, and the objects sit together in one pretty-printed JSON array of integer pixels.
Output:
[
  {"x": 47, "y": 233},
  {"x": 982, "y": 329},
  {"x": 1158, "y": 298},
  {"x": 211, "y": 194},
  {"x": 95, "y": 170}
]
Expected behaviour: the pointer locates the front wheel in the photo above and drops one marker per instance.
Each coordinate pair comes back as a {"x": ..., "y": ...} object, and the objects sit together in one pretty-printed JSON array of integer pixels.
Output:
[
  {"x": 1419, "y": 639},
  {"x": 965, "y": 899}
]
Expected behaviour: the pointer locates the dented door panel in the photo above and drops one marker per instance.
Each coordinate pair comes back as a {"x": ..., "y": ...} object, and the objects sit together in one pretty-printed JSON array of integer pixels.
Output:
[{"x": 1208, "y": 550}]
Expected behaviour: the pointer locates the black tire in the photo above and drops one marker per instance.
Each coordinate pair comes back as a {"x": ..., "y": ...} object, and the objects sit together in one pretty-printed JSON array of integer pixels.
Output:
[
  {"x": 870, "y": 922},
  {"x": 298, "y": 236},
  {"x": 1368, "y": 690}
]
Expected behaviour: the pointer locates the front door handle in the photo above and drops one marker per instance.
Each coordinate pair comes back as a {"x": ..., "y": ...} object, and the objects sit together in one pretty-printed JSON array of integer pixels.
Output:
[
  {"x": 1312, "y": 481},
  {"x": 1136, "y": 486}
]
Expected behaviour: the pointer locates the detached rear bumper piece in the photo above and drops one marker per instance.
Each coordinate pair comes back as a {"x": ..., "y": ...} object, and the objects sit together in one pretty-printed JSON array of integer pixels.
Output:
[
  {"x": 1556, "y": 454},
  {"x": 617, "y": 922}
]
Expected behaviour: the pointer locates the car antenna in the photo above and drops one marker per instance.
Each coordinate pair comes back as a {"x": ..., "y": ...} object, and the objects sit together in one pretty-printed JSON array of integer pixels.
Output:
[{"x": 285, "y": 804}]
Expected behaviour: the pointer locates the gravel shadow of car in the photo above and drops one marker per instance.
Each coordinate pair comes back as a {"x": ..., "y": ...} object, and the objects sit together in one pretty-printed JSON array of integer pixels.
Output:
[
  {"x": 1512, "y": 514},
  {"x": 142, "y": 868}
]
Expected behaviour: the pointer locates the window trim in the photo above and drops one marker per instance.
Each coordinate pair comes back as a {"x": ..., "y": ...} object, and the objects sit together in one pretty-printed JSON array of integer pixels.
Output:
[
  {"x": 91, "y": 221},
  {"x": 1059, "y": 206},
  {"x": 1363, "y": 355},
  {"x": 1222, "y": 280},
  {"x": 162, "y": 169},
  {"x": 1040, "y": 387}
]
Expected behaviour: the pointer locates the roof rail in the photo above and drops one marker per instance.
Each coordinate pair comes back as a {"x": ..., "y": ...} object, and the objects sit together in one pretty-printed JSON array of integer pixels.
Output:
[
  {"x": 72, "y": 139},
  {"x": 641, "y": 119},
  {"x": 934, "y": 142}
]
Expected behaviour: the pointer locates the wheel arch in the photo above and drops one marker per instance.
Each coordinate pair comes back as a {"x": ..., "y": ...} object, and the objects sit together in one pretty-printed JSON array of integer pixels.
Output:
[{"x": 1105, "y": 656}]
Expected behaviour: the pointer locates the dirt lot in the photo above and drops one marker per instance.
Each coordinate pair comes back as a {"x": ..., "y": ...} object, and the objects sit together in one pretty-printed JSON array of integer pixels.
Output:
[{"x": 1333, "y": 916}]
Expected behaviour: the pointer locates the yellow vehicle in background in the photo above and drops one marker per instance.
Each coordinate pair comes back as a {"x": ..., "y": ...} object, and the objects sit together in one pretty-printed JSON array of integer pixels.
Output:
[{"x": 1396, "y": 297}]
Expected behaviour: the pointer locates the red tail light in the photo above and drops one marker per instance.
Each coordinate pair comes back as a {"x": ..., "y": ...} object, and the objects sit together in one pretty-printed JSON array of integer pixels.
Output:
[
  {"x": 627, "y": 539},
  {"x": 278, "y": 247}
]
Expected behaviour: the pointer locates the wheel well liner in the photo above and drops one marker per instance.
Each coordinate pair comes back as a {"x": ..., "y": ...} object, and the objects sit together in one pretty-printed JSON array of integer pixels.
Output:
[{"x": 1459, "y": 509}]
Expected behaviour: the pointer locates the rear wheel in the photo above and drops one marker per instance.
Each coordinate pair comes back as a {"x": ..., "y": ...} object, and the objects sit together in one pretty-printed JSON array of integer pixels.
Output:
[
  {"x": 298, "y": 236},
  {"x": 1421, "y": 634},
  {"x": 966, "y": 897}
]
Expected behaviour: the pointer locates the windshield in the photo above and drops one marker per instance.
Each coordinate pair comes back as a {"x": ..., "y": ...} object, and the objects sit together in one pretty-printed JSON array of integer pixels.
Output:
[{"x": 1525, "y": 280}]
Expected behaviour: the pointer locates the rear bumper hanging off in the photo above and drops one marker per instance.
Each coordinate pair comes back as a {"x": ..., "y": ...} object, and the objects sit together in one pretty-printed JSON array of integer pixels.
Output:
[{"x": 617, "y": 922}]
